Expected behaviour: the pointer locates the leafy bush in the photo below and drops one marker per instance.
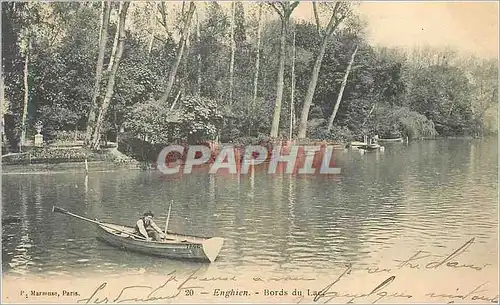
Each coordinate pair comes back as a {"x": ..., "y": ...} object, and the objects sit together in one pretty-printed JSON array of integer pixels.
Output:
[
  {"x": 317, "y": 129},
  {"x": 194, "y": 121},
  {"x": 198, "y": 119},
  {"x": 402, "y": 122},
  {"x": 341, "y": 134},
  {"x": 138, "y": 149},
  {"x": 68, "y": 136},
  {"x": 246, "y": 118}
]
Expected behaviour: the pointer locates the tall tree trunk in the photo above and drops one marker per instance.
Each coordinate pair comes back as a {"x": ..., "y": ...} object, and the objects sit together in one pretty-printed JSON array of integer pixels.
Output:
[
  {"x": 330, "y": 29},
  {"x": 280, "y": 81},
  {"x": 310, "y": 91},
  {"x": 341, "y": 92},
  {"x": 287, "y": 9},
  {"x": 26, "y": 98},
  {"x": 115, "y": 42},
  {"x": 185, "y": 71},
  {"x": 292, "y": 91},
  {"x": 5, "y": 107},
  {"x": 175, "y": 101},
  {"x": 152, "y": 27},
  {"x": 257, "y": 59},
  {"x": 180, "y": 51},
  {"x": 111, "y": 81},
  {"x": 233, "y": 51},
  {"x": 101, "y": 22},
  {"x": 98, "y": 74},
  {"x": 163, "y": 12},
  {"x": 198, "y": 56}
]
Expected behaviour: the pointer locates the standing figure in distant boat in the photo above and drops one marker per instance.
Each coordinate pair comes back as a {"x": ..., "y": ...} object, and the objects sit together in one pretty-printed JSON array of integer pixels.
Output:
[{"x": 146, "y": 227}]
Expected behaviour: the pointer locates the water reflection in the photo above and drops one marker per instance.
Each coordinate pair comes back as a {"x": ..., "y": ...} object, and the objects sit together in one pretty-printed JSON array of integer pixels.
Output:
[
  {"x": 407, "y": 195},
  {"x": 21, "y": 256}
]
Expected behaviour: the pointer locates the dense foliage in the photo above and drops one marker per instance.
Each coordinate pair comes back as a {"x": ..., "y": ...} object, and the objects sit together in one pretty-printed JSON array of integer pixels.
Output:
[{"x": 389, "y": 92}]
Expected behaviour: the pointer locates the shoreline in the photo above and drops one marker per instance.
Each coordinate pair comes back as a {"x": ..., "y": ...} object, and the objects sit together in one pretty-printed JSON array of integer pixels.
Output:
[
  {"x": 108, "y": 166},
  {"x": 67, "y": 167}
]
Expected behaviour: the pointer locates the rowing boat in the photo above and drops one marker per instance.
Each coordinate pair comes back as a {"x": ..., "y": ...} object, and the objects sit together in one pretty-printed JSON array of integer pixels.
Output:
[
  {"x": 175, "y": 246},
  {"x": 357, "y": 144},
  {"x": 369, "y": 146},
  {"x": 391, "y": 140}
]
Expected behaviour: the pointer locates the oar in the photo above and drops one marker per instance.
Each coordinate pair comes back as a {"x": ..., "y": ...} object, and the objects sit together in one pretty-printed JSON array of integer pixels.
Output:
[
  {"x": 63, "y": 211},
  {"x": 168, "y": 216}
]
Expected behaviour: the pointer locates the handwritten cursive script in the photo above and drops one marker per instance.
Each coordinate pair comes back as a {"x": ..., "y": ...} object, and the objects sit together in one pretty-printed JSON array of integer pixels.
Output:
[
  {"x": 414, "y": 261},
  {"x": 472, "y": 295},
  {"x": 378, "y": 291},
  {"x": 166, "y": 290},
  {"x": 173, "y": 286}
]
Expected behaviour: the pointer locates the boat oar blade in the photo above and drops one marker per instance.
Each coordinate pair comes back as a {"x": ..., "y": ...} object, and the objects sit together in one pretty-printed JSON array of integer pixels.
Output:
[{"x": 212, "y": 247}]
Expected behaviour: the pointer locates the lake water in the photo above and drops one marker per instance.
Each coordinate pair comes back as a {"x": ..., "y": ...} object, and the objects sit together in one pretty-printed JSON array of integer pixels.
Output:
[{"x": 429, "y": 195}]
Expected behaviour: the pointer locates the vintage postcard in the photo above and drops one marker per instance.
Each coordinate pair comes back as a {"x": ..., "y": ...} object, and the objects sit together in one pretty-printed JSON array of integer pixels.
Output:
[{"x": 249, "y": 152}]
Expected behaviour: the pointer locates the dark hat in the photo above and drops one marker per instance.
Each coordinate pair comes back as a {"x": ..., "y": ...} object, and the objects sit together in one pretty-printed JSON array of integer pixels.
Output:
[{"x": 149, "y": 213}]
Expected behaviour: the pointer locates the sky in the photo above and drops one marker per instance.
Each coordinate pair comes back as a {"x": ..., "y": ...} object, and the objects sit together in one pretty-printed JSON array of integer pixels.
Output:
[
  {"x": 467, "y": 26},
  {"x": 470, "y": 27}
]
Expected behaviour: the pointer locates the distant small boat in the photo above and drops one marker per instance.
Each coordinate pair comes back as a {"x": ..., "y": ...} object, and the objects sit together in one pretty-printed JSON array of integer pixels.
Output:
[
  {"x": 369, "y": 146},
  {"x": 391, "y": 140},
  {"x": 358, "y": 144}
]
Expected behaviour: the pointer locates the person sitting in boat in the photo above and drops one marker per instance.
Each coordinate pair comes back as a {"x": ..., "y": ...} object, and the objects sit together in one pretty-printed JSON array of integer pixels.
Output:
[{"x": 146, "y": 227}]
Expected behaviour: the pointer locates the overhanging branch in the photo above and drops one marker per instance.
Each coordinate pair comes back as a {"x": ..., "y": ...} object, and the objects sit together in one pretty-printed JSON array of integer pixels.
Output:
[{"x": 277, "y": 10}]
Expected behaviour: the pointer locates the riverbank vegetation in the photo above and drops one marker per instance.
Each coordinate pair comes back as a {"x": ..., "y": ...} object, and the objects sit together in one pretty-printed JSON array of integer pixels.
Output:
[
  {"x": 55, "y": 155},
  {"x": 187, "y": 72}
]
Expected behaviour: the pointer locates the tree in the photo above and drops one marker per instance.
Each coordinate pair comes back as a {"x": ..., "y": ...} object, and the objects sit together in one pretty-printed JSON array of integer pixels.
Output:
[
  {"x": 233, "y": 51},
  {"x": 340, "y": 11},
  {"x": 99, "y": 67},
  {"x": 111, "y": 81},
  {"x": 185, "y": 74},
  {"x": 180, "y": 52},
  {"x": 388, "y": 91},
  {"x": 284, "y": 10},
  {"x": 292, "y": 90},
  {"x": 23, "y": 29},
  {"x": 153, "y": 28},
  {"x": 212, "y": 48},
  {"x": 342, "y": 87},
  {"x": 483, "y": 78},
  {"x": 115, "y": 42},
  {"x": 257, "y": 58},
  {"x": 443, "y": 94},
  {"x": 198, "y": 55},
  {"x": 26, "y": 94}
]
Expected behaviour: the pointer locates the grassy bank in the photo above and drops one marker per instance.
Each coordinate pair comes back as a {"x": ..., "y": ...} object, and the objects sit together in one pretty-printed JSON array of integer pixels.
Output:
[{"x": 75, "y": 159}]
